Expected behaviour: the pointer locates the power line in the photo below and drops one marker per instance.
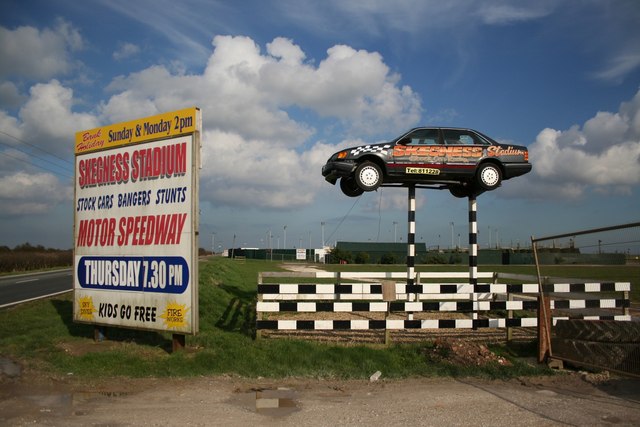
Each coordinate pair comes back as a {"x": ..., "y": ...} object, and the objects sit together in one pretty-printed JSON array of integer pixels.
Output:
[
  {"x": 36, "y": 147},
  {"x": 32, "y": 155},
  {"x": 39, "y": 166},
  {"x": 344, "y": 217}
]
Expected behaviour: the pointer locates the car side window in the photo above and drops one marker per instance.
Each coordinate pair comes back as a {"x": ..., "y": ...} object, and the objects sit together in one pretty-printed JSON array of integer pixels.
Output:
[
  {"x": 460, "y": 137},
  {"x": 422, "y": 137}
]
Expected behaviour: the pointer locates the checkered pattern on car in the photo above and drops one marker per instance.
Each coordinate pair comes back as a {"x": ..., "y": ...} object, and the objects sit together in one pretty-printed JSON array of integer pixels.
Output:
[{"x": 369, "y": 149}]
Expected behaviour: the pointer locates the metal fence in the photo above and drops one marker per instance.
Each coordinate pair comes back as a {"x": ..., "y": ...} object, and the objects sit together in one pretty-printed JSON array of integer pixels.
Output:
[
  {"x": 609, "y": 345},
  {"x": 380, "y": 301}
]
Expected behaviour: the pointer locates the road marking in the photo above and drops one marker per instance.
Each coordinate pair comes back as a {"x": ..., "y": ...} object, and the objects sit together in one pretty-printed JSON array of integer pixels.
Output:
[
  {"x": 35, "y": 298},
  {"x": 25, "y": 281}
]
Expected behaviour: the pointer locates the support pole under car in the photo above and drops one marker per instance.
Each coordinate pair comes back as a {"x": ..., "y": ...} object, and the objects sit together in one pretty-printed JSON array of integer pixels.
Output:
[
  {"x": 411, "y": 243},
  {"x": 473, "y": 253}
]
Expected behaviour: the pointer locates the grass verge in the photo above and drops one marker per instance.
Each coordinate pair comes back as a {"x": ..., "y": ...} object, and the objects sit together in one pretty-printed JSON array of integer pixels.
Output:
[{"x": 42, "y": 336}]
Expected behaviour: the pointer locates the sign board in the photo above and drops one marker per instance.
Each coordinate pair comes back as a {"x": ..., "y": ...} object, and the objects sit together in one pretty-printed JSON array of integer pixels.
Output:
[
  {"x": 301, "y": 254},
  {"x": 136, "y": 223}
]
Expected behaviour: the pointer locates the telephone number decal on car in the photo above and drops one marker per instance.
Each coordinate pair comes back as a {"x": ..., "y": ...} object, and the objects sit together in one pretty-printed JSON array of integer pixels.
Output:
[{"x": 423, "y": 171}]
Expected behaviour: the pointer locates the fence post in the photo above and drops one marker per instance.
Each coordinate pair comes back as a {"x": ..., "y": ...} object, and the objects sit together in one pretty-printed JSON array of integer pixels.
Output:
[
  {"x": 388, "y": 295},
  {"x": 259, "y": 313},
  {"x": 544, "y": 322},
  {"x": 509, "y": 317},
  {"x": 178, "y": 342},
  {"x": 627, "y": 302},
  {"x": 98, "y": 333}
]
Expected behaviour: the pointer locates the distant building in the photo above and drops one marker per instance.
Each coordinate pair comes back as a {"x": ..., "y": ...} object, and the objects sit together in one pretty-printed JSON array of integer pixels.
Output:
[{"x": 378, "y": 251}]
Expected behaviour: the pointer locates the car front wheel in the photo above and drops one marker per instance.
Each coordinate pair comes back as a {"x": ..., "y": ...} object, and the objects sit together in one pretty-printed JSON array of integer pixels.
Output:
[
  {"x": 489, "y": 176},
  {"x": 368, "y": 176},
  {"x": 350, "y": 188}
]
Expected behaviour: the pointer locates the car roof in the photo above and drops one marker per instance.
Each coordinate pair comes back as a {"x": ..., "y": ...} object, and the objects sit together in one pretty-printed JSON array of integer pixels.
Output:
[
  {"x": 440, "y": 127},
  {"x": 484, "y": 136}
]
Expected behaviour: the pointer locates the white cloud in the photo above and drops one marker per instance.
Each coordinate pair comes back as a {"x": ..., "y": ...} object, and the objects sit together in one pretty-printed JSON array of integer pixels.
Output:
[
  {"x": 500, "y": 12},
  {"x": 47, "y": 119},
  {"x": 10, "y": 127},
  {"x": 619, "y": 66},
  {"x": 22, "y": 193},
  {"x": 10, "y": 96},
  {"x": 28, "y": 52},
  {"x": 418, "y": 17},
  {"x": 603, "y": 155},
  {"x": 352, "y": 85},
  {"x": 126, "y": 50},
  {"x": 251, "y": 173},
  {"x": 12, "y": 160},
  {"x": 254, "y": 151}
]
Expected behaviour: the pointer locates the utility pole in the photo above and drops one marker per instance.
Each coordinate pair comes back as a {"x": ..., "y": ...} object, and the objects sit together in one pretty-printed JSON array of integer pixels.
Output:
[
  {"x": 213, "y": 243},
  {"x": 451, "y": 235},
  {"x": 322, "y": 226},
  {"x": 284, "y": 243}
]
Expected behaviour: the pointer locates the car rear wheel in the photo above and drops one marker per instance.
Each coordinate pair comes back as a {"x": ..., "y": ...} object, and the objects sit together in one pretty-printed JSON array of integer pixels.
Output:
[
  {"x": 489, "y": 176},
  {"x": 459, "y": 191},
  {"x": 350, "y": 188},
  {"x": 368, "y": 176}
]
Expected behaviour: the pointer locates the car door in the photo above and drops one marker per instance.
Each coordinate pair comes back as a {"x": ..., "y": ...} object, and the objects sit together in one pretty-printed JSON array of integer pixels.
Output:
[
  {"x": 417, "y": 155},
  {"x": 461, "y": 152}
]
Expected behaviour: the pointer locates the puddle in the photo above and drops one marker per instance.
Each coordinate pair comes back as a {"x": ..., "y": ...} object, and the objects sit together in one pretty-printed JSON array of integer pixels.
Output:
[
  {"x": 278, "y": 402},
  {"x": 49, "y": 403},
  {"x": 66, "y": 401}
]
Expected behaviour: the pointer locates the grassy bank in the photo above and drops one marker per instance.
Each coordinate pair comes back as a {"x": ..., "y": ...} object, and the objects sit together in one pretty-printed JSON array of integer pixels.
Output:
[{"x": 42, "y": 336}]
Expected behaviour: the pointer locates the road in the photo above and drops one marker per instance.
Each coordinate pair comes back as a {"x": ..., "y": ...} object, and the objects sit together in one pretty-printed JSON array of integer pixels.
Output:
[
  {"x": 15, "y": 289},
  {"x": 559, "y": 400}
]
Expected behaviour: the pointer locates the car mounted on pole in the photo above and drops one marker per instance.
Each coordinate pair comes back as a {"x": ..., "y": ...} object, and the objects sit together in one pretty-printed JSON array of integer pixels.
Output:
[{"x": 464, "y": 161}]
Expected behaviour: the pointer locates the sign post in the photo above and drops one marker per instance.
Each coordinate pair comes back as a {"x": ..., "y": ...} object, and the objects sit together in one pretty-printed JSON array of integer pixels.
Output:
[{"x": 136, "y": 224}]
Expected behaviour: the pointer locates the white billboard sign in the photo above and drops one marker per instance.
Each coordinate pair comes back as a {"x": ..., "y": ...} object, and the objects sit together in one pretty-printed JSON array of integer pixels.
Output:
[{"x": 136, "y": 223}]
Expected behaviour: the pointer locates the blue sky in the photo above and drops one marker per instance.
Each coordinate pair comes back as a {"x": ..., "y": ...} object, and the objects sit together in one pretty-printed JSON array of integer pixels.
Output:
[{"x": 283, "y": 84}]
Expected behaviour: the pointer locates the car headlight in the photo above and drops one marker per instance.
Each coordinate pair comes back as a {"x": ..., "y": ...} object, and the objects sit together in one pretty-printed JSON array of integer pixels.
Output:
[{"x": 342, "y": 155}]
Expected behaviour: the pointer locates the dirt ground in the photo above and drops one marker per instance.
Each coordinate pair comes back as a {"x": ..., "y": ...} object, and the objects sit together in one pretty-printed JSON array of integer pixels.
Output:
[{"x": 568, "y": 398}]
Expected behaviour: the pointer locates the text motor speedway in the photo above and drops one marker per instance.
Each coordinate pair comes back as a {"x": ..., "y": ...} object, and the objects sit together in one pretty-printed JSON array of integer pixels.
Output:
[{"x": 135, "y": 228}]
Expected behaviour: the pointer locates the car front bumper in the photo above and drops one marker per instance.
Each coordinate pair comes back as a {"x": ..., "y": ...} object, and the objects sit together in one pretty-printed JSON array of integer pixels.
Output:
[{"x": 334, "y": 170}]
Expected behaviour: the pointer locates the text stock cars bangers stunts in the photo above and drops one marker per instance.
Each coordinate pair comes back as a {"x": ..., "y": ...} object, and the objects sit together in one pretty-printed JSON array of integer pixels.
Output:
[{"x": 463, "y": 160}]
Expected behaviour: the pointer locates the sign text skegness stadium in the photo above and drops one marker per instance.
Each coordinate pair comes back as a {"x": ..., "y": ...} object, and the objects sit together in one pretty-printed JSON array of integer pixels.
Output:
[{"x": 143, "y": 164}]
